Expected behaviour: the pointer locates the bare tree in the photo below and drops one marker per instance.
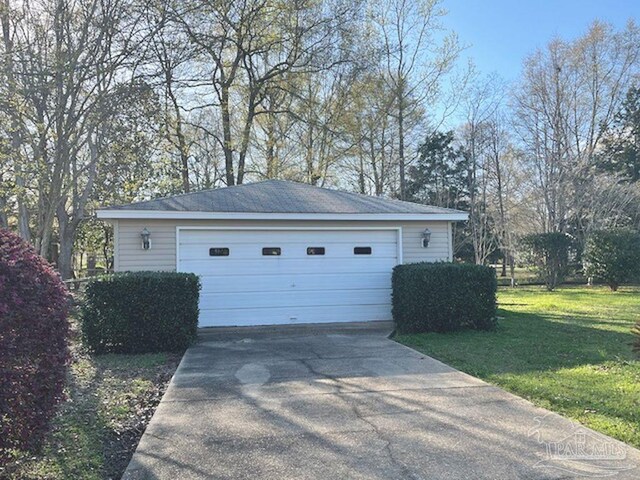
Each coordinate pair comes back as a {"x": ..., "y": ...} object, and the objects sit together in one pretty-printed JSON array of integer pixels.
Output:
[
  {"x": 566, "y": 101},
  {"x": 319, "y": 133},
  {"x": 66, "y": 56},
  {"x": 91, "y": 53},
  {"x": 480, "y": 107},
  {"x": 170, "y": 54},
  {"x": 371, "y": 131},
  {"x": 13, "y": 108},
  {"x": 248, "y": 45},
  {"x": 273, "y": 142},
  {"x": 416, "y": 61},
  {"x": 505, "y": 161}
]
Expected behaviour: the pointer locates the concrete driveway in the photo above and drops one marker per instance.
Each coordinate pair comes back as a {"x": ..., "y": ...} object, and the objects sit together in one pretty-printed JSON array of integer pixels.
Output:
[{"x": 348, "y": 403}]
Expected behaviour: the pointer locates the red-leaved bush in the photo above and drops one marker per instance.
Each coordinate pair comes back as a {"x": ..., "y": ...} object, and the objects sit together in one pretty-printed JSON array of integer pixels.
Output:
[{"x": 33, "y": 344}]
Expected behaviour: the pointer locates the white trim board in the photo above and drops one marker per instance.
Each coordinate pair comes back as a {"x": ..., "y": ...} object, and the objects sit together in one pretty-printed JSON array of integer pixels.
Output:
[
  {"x": 116, "y": 246},
  {"x": 450, "y": 237},
  {"x": 397, "y": 217}
]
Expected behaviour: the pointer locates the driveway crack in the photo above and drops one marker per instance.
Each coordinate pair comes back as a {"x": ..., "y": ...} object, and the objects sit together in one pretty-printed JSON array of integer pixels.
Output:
[
  {"x": 337, "y": 381},
  {"x": 150, "y": 434}
]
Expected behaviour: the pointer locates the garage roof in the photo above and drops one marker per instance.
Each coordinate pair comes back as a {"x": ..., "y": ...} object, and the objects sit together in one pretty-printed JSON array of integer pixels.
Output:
[{"x": 275, "y": 199}]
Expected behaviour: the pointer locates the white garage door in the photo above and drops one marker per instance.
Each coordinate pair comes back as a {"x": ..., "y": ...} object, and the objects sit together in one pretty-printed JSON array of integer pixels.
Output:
[{"x": 267, "y": 277}]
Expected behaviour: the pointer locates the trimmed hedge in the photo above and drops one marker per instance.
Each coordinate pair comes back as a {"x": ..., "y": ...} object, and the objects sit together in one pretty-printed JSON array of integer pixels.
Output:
[
  {"x": 139, "y": 312},
  {"x": 33, "y": 344},
  {"x": 550, "y": 254},
  {"x": 613, "y": 257},
  {"x": 443, "y": 297}
]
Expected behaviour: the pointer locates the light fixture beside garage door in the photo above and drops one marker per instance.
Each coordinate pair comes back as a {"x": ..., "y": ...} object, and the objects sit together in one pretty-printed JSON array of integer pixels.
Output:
[
  {"x": 426, "y": 238},
  {"x": 146, "y": 239}
]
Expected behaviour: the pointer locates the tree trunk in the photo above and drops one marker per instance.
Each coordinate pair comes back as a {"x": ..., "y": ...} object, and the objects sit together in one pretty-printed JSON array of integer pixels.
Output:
[
  {"x": 361, "y": 183},
  {"x": 53, "y": 198},
  {"x": 512, "y": 267},
  {"x": 312, "y": 176},
  {"x": 182, "y": 144},
  {"x": 66, "y": 236},
  {"x": 45, "y": 240},
  {"x": 4, "y": 220},
  {"x": 272, "y": 171},
  {"x": 473, "y": 214},
  {"x": 68, "y": 223},
  {"x": 106, "y": 250},
  {"x": 23, "y": 213},
  {"x": 226, "y": 133},
  {"x": 401, "y": 164},
  {"x": 62, "y": 150},
  {"x": 246, "y": 136},
  {"x": 184, "y": 155},
  {"x": 65, "y": 258},
  {"x": 15, "y": 125},
  {"x": 270, "y": 154},
  {"x": 503, "y": 219}
]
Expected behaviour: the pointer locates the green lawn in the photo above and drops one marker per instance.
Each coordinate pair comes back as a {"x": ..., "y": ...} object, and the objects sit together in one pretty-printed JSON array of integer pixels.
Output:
[{"x": 568, "y": 351}]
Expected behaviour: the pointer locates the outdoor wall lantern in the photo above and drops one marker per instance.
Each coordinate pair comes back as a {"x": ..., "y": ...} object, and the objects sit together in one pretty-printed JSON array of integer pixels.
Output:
[
  {"x": 426, "y": 238},
  {"x": 146, "y": 239}
]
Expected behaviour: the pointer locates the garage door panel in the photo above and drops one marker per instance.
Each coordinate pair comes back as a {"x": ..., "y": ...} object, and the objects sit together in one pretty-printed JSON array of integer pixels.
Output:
[
  {"x": 292, "y": 250},
  {"x": 253, "y": 237},
  {"x": 295, "y": 298},
  {"x": 309, "y": 281},
  {"x": 285, "y": 315},
  {"x": 224, "y": 242},
  {"x": 247, "y": 288},
  {"x": 272, "y": 266}
]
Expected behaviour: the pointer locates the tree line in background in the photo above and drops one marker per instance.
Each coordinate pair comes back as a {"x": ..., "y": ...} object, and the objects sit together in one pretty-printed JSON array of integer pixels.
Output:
[{"x": 112, "y": 101}]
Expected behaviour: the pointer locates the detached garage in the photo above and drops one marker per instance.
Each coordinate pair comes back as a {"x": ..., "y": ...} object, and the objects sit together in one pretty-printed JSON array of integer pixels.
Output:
[{"x": 278, "y": 252}]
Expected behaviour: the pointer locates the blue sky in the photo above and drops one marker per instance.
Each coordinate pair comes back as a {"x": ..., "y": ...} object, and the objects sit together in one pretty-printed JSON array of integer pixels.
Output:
[{"x": 502, "y": 32}]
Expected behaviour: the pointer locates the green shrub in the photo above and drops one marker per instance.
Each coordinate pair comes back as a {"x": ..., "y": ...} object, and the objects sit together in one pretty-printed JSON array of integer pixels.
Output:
[
  {"x": 549, "y": 254},
  {"x": 442, "y": 297},
  {"x": 613, "y": 257},
  {"x": 141, "y": 312}
]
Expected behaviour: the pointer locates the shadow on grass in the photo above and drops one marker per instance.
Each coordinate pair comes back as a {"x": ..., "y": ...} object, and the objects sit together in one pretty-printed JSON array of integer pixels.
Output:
[
  {"x": 577, "y": 365},
  {"x": 110, "y": 399}
]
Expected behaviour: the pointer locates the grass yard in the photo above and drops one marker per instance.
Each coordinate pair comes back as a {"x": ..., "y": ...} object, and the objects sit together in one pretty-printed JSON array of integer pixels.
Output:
[
  {"x": 527, "y": 277},
  {"x": 568, "y": 351},
  {"x": 110, "y": 400}
]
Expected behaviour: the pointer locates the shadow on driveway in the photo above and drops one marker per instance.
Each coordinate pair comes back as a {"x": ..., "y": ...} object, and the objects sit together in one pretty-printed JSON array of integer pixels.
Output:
[{"x": 345, "y": 401}]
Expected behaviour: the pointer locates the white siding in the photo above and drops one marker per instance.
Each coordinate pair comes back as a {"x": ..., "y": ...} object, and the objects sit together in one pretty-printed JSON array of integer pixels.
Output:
[
  {"x": 129, "y": 254},
  {"x": 439, "y": 248}
]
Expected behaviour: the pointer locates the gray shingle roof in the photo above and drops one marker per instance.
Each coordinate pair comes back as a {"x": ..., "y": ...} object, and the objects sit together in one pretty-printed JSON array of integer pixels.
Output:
[{"x": 279, "y": 196}]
